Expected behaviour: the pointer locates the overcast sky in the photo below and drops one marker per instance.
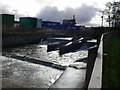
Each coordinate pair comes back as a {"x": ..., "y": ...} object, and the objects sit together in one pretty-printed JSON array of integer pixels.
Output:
[{"x": 86, "y": 11}]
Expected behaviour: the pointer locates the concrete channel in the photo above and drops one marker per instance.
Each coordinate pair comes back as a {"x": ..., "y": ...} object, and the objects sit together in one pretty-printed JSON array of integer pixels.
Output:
[{"x": 33, "y": 67}]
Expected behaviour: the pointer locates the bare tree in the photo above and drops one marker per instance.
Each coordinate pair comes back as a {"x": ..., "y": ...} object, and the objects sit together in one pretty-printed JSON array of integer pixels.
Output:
[
  {"x": 113, "y": 12},
  {"x": 108, "y": 12}
]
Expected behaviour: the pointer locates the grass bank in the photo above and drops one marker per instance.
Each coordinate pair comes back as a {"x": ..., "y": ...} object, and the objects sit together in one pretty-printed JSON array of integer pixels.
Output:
[{"x": 111, "y": 59}]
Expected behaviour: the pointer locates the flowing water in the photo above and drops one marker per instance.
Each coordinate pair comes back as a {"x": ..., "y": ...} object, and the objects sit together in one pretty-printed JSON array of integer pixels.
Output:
[{"x": 19, "y": 73}]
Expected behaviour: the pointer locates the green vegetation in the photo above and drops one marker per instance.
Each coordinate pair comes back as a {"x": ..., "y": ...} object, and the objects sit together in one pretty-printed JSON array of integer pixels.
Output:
[{"x": 111, "y": 69}]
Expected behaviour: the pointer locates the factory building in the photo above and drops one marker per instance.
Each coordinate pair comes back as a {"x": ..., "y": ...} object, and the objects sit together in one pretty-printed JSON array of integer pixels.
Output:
[
  {"x": 66, "y": 24},
  {"x": 69, "y": 21},
  {"x": 68, "y": 27},
  {"x": 50, "y": 24},
  {"x": 60, "y": 26},
  {"x": 69, "y": 24},
  {"x": 39, "y": 23},
  {"x": 16, "y": 24},
  {"x": 31, "y": 22},
  {"x": 7, "y": 20},
  {"x": 28, "y": 22}
]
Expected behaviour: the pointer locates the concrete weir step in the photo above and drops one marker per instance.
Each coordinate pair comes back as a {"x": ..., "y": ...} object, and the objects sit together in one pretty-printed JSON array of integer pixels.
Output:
[
  {"x": 71, "y": 78},
  {"x": 55, "y": 46},
  {"x": 72, "y": 46},
  {"x": 42, "y": 62}
]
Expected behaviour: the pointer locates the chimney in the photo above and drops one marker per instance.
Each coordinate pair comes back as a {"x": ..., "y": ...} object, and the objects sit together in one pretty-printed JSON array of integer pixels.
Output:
[{"x": 73, "y": 17}]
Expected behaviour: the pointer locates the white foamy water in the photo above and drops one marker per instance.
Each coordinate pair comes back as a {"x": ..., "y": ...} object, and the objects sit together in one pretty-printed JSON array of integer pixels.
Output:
[{"x": 22, "y": 74}]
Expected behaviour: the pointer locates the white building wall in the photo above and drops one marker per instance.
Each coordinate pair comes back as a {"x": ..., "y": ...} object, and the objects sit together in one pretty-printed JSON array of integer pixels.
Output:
[
  {"x": 16, "y": 25},
  {"x": 39, "y": 23}
]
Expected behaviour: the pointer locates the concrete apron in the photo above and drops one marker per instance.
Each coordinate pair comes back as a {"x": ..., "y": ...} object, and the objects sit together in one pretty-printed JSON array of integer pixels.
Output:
[{"x": 71, "y": 78}]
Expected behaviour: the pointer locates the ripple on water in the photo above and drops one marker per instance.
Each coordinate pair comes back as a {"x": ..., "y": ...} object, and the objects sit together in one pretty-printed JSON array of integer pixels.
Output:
[{"x": 24, "y": 74}]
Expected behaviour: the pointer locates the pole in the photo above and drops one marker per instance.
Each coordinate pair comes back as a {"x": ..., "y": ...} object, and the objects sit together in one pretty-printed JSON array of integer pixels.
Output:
[{"x": 102, "y": 18}]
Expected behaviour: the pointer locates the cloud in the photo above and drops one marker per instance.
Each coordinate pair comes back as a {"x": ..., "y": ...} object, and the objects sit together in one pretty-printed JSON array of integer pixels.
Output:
[
  {"x": 50, "y": 13},
  {"x": 46, "y": 2},
  {"x": 17, "y": 14},
  {"x": 4, "y": 9},
  {"x": 84, "y": 14}
]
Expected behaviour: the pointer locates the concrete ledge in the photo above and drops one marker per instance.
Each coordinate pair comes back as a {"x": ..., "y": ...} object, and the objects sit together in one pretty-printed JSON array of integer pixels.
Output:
[
  {"x": 92, "y": 53},
  {"x": 42, "y": 62},
  {"x": 52, "y": 47},
  {"x": 71, "y": 78},
  {"x": 96, "y": 77}
]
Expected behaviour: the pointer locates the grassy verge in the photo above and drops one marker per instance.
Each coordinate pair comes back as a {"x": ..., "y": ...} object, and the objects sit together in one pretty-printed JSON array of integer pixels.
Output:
[{"x": 111, "y": 68}]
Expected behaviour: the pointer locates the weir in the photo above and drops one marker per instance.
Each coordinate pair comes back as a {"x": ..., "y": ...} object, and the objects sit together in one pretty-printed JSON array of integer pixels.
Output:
[{"x": 72, "y": 64}]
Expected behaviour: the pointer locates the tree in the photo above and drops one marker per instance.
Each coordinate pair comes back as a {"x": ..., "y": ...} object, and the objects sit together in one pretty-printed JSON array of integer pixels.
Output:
[
  {"x": 113, "y": 12},
  {"x": 108, "y": 12}
]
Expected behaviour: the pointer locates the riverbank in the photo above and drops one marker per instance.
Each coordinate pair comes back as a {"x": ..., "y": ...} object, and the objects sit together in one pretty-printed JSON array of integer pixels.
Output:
[
  {"x": 111, "y": 66},
  {"x": 17, "y": 40},
  {"x": 12, "y": 36}
]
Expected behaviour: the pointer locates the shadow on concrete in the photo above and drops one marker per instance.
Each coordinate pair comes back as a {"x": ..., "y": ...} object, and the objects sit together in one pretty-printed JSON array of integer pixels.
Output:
[{"x": 42, "y": 62}]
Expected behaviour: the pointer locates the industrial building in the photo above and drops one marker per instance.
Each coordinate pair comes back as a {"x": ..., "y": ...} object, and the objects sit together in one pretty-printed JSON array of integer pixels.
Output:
[
  {"x": 59, "y": 26},
  {"x": 69, "y": 21},
  {"x": 31, "y": 22},
  {"x": 50, "y": 24},
  {"x": 67, "y": 24},
  {"x": 16, "y": 24},
  {"x": 7, "y": 20},
  {"x": 25, "y": 22},
  {"x": 39, "y": 23},
  {"x": 28, "y": 22}
]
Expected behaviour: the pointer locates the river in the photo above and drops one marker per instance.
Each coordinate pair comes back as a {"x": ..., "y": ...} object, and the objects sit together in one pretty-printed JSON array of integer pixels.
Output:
[{"x": 19, "y": 72}]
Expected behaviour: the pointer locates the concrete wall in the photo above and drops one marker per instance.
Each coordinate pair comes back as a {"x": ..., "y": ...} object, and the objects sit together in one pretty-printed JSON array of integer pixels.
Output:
[
  {"x": 92, "y": 53},
  {"x": 95, "y": 65},
  {"x": 14, "y": 40}
]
